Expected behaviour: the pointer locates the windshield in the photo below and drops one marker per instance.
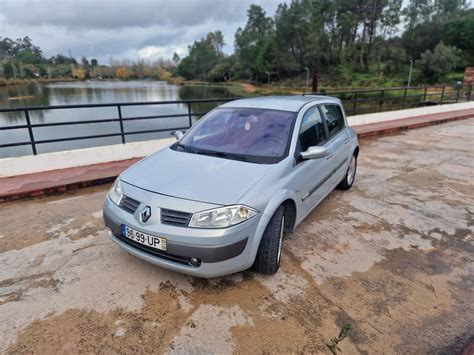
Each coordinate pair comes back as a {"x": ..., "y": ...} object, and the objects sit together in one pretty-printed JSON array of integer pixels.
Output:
[{"x": 250, "y": 134}]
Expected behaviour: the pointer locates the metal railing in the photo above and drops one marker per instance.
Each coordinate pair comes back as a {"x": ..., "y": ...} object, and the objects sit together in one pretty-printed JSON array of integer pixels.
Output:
[
  {"x": 33, "y": 142},
  {"x": 355, "y": 102},
  {"x": 399, "y": 98}
]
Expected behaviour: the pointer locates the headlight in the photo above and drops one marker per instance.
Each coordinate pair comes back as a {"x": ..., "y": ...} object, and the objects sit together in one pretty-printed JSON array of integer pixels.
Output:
[
  {"x": 222, "y": 217},
  {"x": 115, "y": 193}
]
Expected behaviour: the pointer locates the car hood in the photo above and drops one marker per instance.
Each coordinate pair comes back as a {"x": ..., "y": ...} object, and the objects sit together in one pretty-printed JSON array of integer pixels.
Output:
[{"x": 195, "y": 177}]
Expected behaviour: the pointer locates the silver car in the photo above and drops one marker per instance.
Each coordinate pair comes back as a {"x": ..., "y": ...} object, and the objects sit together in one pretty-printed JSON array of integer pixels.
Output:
[{"x": 219, "y": 200}]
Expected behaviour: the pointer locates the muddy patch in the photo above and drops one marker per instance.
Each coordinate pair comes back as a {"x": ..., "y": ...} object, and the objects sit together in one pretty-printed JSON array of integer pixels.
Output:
[{"x": 118, "y": 331}]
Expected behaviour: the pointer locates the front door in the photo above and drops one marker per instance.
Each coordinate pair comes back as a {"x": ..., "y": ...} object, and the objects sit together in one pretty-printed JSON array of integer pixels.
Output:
[{"x": 312, "y": 175}]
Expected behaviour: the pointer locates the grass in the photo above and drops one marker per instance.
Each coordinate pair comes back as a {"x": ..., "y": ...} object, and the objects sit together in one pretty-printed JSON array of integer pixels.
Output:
[
  {"x": 6, "y": 82},
  {"x": 333, "y": 345}
]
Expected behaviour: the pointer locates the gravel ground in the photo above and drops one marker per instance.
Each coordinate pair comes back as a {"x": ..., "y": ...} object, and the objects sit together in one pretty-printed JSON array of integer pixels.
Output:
[{"x": 393, "y": 258}]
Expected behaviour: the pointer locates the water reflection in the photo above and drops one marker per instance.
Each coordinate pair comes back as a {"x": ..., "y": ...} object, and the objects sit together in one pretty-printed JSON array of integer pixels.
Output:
[{"x": 97, "y": 92}]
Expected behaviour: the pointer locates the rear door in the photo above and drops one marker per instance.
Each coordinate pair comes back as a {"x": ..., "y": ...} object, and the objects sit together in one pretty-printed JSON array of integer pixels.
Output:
[{"x": 338, "y": 140}]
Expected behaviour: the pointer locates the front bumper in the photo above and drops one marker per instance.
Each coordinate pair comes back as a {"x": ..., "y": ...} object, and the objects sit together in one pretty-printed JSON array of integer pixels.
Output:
[{"x": 220, "y": 251}]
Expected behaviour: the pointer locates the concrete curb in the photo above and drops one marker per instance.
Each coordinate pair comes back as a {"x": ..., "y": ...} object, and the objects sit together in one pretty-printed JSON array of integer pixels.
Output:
[
  {"x": 54, "y": 182},
  {"x": 396, "y": 126}
]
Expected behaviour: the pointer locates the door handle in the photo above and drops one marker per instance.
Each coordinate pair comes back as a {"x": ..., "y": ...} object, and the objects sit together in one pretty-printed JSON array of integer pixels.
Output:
[
  {"x": 347, "y": 141},
  {"x": 329, "y": 156}
]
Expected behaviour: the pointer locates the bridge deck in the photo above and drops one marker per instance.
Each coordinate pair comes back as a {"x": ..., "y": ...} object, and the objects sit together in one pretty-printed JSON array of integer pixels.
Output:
[{"x": 393, "y": 257}]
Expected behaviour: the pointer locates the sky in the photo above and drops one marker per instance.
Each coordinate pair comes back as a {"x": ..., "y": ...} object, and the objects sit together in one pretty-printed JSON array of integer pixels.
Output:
[{"x": 123, "y": 29}]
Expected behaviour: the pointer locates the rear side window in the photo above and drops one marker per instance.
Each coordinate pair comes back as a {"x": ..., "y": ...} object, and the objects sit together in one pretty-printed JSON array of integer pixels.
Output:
[
  {"x": 334, "y": 119},
  {"x": 312, "y": 129}
]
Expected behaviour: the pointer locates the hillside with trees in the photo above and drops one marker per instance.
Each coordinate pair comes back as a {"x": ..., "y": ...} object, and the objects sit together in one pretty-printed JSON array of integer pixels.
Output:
[
  {"x": 342, "y": 43},
  {"x": 21, "y": 60},
  {"x": 332, "y": 43}
]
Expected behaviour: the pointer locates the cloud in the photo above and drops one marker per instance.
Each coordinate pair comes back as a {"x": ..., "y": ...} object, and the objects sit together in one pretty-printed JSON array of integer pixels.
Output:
[{"x": 121, "y": 29}]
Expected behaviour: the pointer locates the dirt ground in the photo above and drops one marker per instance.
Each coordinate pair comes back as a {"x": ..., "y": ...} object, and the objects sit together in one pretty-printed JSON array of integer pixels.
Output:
[{"x": 393, "y": 258}]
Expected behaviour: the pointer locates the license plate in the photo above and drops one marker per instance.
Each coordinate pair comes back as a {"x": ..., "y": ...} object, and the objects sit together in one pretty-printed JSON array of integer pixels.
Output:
[{"x": 143, "y": 238}]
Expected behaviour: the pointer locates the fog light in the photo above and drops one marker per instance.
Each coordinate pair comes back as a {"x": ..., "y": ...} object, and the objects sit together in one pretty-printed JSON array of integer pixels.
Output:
[{"x": 194, "y": 261}]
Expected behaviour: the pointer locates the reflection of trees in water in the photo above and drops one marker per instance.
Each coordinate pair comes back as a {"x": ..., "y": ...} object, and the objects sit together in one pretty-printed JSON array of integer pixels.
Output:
[
  {"x": 101, "y": 92},
  {"x": 31, "y": 95}
]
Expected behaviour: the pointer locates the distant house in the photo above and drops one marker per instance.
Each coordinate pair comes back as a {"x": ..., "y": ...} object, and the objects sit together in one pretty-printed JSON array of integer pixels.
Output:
[{"x": 78, "y": 73}]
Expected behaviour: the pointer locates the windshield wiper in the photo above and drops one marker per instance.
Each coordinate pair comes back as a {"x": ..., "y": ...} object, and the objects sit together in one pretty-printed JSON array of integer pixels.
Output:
[{"x": 222, "y": 155}]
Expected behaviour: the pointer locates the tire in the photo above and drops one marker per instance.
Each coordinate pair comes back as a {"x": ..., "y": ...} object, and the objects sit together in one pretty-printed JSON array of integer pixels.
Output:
[
  {"x": 349, "y": 178},
  {"x": 268, "y": 256}
]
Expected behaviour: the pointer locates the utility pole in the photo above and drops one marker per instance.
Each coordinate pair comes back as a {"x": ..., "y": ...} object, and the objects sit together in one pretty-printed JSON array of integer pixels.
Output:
[
  {"x": 307, "y": 78},
  {"x": 409, "y": 74}
]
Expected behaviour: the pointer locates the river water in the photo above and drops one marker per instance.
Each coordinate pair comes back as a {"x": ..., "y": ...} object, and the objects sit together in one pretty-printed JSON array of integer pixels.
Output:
[{"x": 68, "y": 93}]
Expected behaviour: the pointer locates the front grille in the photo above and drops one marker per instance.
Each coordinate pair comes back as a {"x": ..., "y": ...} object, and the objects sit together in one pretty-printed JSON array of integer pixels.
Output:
[
  {"x": 175, "y": 218},
  {"x": 128, "y": 204},
  {"x": 155, "y": 252}
]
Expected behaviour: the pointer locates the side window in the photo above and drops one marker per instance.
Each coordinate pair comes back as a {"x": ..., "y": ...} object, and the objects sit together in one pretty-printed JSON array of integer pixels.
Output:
[
  {"x": 334, "y": 119},
  {"x": 312, "y": 129}
]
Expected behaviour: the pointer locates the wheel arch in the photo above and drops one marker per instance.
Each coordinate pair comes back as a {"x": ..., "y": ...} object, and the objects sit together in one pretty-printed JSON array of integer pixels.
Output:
[
  {"x": 356, "y": 151},
  {"x": 290, "y": 214}
]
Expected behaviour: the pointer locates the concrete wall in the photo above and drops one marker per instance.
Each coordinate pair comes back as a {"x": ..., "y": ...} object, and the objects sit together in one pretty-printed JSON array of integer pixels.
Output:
[{"x": 80, "y": 157}]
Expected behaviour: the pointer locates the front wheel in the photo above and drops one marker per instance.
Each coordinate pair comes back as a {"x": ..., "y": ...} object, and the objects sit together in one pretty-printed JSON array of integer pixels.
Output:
[
  {"x": 268, "y": 256},
  {"x": 349, "y": 178}
]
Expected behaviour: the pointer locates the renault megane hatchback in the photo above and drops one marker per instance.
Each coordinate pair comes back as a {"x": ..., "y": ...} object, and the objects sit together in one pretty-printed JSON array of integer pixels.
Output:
[{"x": 219, "y": 200}]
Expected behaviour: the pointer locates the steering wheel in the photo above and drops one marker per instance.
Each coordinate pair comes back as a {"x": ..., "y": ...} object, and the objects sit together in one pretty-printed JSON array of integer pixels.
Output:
[
  {"x": 259, "y": 144},
  {"x": 274, "y": 139}
]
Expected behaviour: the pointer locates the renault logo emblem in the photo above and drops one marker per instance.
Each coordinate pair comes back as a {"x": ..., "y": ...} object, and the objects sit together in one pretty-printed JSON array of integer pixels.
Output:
[{"x": 145, "y": 214}]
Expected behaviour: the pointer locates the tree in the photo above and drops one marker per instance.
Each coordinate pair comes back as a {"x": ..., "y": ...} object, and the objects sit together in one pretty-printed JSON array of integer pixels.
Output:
[
  {"x": 84, "y": 62},
  {"x": 124, "y": 73},
  {"x": 27, "y": 56},
  {"x": 6, "y": 48},
  {"x": 8, "y": 70},
  {"x": 460, "y": 32},
  {"x": 434, "y": 65},
  {"x": 421, "y": 38},
  {"x": 217, "y": 41},
  {"x": 417, "y": 12},
  {"x": 248, "y": 40},
  {"x": 302, "y": 35},
  {"x": 176, "y": 58},
  {"x": 449, "y": 7},
  {"x": 62, "y": 59}
]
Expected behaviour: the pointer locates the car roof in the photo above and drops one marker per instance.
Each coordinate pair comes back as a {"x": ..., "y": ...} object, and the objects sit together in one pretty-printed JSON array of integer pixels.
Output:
[{"x": 291, "y": 103}]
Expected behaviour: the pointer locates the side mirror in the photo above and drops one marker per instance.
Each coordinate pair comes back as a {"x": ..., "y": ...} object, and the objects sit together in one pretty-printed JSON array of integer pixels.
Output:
[
  {"x": 178, "y": 134},
  {"x": 314, "y": 152}
]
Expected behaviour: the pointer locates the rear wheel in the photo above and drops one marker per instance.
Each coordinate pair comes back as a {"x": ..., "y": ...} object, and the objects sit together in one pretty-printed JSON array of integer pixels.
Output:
[
  {"x": 349, "y": 178},
  {"x": 268, "y": 256}
]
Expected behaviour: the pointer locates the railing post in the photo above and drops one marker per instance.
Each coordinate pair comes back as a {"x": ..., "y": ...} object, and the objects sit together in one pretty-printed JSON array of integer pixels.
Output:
[
  {"x": 30, "y": 132},
  {"x": 354, "y": 106},
  {"x": 122, "y": 133},
  {"x": 404, "y": 97},
  {"x": 381, "y": 100},
  {"x": 458, "y": 88},
  {"x": 190, "y": 117},
  {"x": 424, "y": 96},
  {"x": 442, "y": 95},
  {"x": 469, "y": 93}
]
